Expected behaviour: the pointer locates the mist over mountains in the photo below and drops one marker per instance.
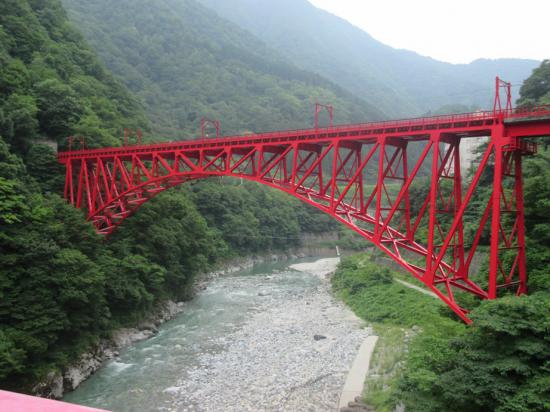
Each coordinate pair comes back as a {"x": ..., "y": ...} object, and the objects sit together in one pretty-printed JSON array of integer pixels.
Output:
[
  {"x": 399, "y": 82},
  {"x": 261, "y": 65},
  {"x": 184, "y": 62}
]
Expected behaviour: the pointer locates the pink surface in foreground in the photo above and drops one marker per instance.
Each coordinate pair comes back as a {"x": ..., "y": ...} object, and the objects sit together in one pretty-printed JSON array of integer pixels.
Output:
[{"x": 15, "y": 402}]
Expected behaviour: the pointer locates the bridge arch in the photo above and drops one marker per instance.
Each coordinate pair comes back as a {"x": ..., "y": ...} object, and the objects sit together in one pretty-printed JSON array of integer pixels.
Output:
[{"x": 360, "y": 175}]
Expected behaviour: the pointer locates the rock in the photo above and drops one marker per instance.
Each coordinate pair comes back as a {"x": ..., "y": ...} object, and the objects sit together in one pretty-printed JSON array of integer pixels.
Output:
[
  {"x": 51, "y": 387},
  {"x": 307, "y": 375},
  {"x": 148, "y": 326},
  {"x": 75, "y": 374}
]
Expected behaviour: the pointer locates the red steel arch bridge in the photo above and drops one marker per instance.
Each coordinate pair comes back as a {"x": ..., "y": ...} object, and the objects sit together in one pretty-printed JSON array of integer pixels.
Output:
[{"x": 365, "y": 176}]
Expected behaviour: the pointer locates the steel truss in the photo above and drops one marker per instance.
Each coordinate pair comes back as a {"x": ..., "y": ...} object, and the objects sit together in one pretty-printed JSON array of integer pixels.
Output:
[{"x": 365, "y": 176}]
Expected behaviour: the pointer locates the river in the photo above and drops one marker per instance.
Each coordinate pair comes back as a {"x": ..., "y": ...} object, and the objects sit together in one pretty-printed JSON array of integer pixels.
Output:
[{"x": 271, "y": 338}]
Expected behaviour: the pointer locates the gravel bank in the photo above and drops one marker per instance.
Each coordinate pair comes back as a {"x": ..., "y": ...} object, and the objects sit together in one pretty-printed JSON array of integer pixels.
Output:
[{"x": 292, "y": 354}]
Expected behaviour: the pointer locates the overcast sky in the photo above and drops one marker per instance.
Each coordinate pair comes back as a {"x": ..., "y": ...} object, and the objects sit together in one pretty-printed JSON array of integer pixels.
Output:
[{"x": 456, "y": 31}]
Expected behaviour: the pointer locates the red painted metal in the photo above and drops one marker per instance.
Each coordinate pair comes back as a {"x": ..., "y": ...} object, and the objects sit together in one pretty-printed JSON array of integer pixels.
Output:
[
  {"x": 207, "y": 123},
  {"x": 16, "y": 402},
  {"x": 364, "y": 176},
  {"x": 319, "y": 108},
  {"x": 132, "y": 133}
]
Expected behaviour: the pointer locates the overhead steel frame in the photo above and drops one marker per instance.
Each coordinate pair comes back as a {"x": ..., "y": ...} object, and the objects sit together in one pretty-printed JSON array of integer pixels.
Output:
[{"x": 362, "y": 175}]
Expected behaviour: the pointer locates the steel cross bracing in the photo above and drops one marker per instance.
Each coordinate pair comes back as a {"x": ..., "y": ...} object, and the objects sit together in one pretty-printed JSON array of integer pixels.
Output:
[{"x": 364, "y": 176}]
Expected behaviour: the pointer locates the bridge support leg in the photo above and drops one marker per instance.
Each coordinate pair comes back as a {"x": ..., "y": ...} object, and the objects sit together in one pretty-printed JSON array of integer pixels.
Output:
[
  {"x": 494, "y": 260},
  {"x": 458, "y": 254},
  {"x": 507, "y": 265}
]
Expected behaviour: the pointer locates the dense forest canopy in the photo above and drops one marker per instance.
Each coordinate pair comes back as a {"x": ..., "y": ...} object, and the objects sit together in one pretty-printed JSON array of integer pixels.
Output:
[
  {"x": 185, "y": 62},
  {"x": 51, "y": 83}
]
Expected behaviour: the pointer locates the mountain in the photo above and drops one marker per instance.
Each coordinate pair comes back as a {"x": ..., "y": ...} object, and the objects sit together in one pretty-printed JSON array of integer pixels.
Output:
[
  {"x": 52, "y": 85},
  {"x": 185, "y": 62},
  {"x": 399, "y": 82}
]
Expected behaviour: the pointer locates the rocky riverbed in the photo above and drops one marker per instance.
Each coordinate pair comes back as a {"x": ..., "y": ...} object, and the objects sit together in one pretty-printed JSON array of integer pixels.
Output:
[
  {"x": 293, "y": 355},
  {"x": 272, "y": 339}
]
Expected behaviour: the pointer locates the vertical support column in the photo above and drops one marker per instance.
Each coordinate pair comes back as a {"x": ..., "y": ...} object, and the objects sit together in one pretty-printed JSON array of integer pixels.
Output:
[
  {"x": 522, "y": 267},
  {"x": 432, "y": 209},
  {"x": 295, "y": 157},
  {"x": 459, "y": 240},
  {"x": 360, "y": 194},
  {"x": 82, "y": 176},
  {"x": 380, "y": 183},
  {"x": 260, "y": 160},
  {"x": 284, "y": 163},
  {"x": 406, "y": 195},
  {"x": 320, "y": 170},
  {"x": 227, "y": 162},
  {"x": 201, "y": 158},
  {"x": 334, "y": 181},
  {"x": 495, "y": 218}
]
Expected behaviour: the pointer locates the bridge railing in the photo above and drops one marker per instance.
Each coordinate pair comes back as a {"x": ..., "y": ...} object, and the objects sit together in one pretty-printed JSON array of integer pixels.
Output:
[
  {"x": 524, "y": 112},
  {"x": 528, "y": 111}
]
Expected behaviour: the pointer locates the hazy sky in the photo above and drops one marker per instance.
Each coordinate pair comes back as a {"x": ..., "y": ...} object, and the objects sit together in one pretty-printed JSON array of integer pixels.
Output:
[{"x": 456, "y": 31}]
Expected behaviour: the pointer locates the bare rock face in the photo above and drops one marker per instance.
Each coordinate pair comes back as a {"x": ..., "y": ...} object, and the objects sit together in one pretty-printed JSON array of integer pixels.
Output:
[
  {"x": 78, "y": 372},
  {"x": 126, "y": 336},
  {"x": 51, "y": 387}
]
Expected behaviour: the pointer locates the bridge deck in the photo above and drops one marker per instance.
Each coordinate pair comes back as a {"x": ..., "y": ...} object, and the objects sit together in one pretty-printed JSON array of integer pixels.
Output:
[{"x": 466, "y": 124}]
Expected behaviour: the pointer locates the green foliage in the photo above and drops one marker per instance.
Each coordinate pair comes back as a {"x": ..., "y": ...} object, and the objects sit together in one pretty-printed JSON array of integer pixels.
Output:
[
  {"x": 496, "y": 365},
  {"x": 11, "y": 358},
  {"x": 185, "y": 62},
  {"x": 51, "y": 84},
  {"x": 42, "y": 165},
  {"x": 59, "y": 108},
  {"x": 536, "y": 89},
  {"x": 368, "y": 288},
  {"x": 251, "y": 218}
]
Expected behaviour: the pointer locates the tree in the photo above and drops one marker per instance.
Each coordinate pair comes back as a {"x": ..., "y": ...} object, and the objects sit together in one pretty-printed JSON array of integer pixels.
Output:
[
  {"x": 536, "y": 89},
  {"x": 59, "y": 108}
]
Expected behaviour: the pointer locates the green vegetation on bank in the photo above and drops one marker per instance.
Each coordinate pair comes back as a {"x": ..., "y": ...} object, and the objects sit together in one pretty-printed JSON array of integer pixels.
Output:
[
  {"x": 500, "y": 363},
  {"x": 62, "y": 288},
  {"x": 370, "y": 290}
]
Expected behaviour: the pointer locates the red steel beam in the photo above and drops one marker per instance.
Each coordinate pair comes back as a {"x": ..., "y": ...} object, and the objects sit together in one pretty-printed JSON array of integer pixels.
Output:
[{"x": 329, "y": 168}]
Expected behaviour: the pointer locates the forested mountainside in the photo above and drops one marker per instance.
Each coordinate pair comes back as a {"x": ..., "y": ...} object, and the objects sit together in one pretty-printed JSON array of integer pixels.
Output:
[
  {"x": 51, "y": 83},
  {"x": 61, "y": 286},
  {"x": 399, "y": 82},
  {"x": 185, "y": 62}
]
